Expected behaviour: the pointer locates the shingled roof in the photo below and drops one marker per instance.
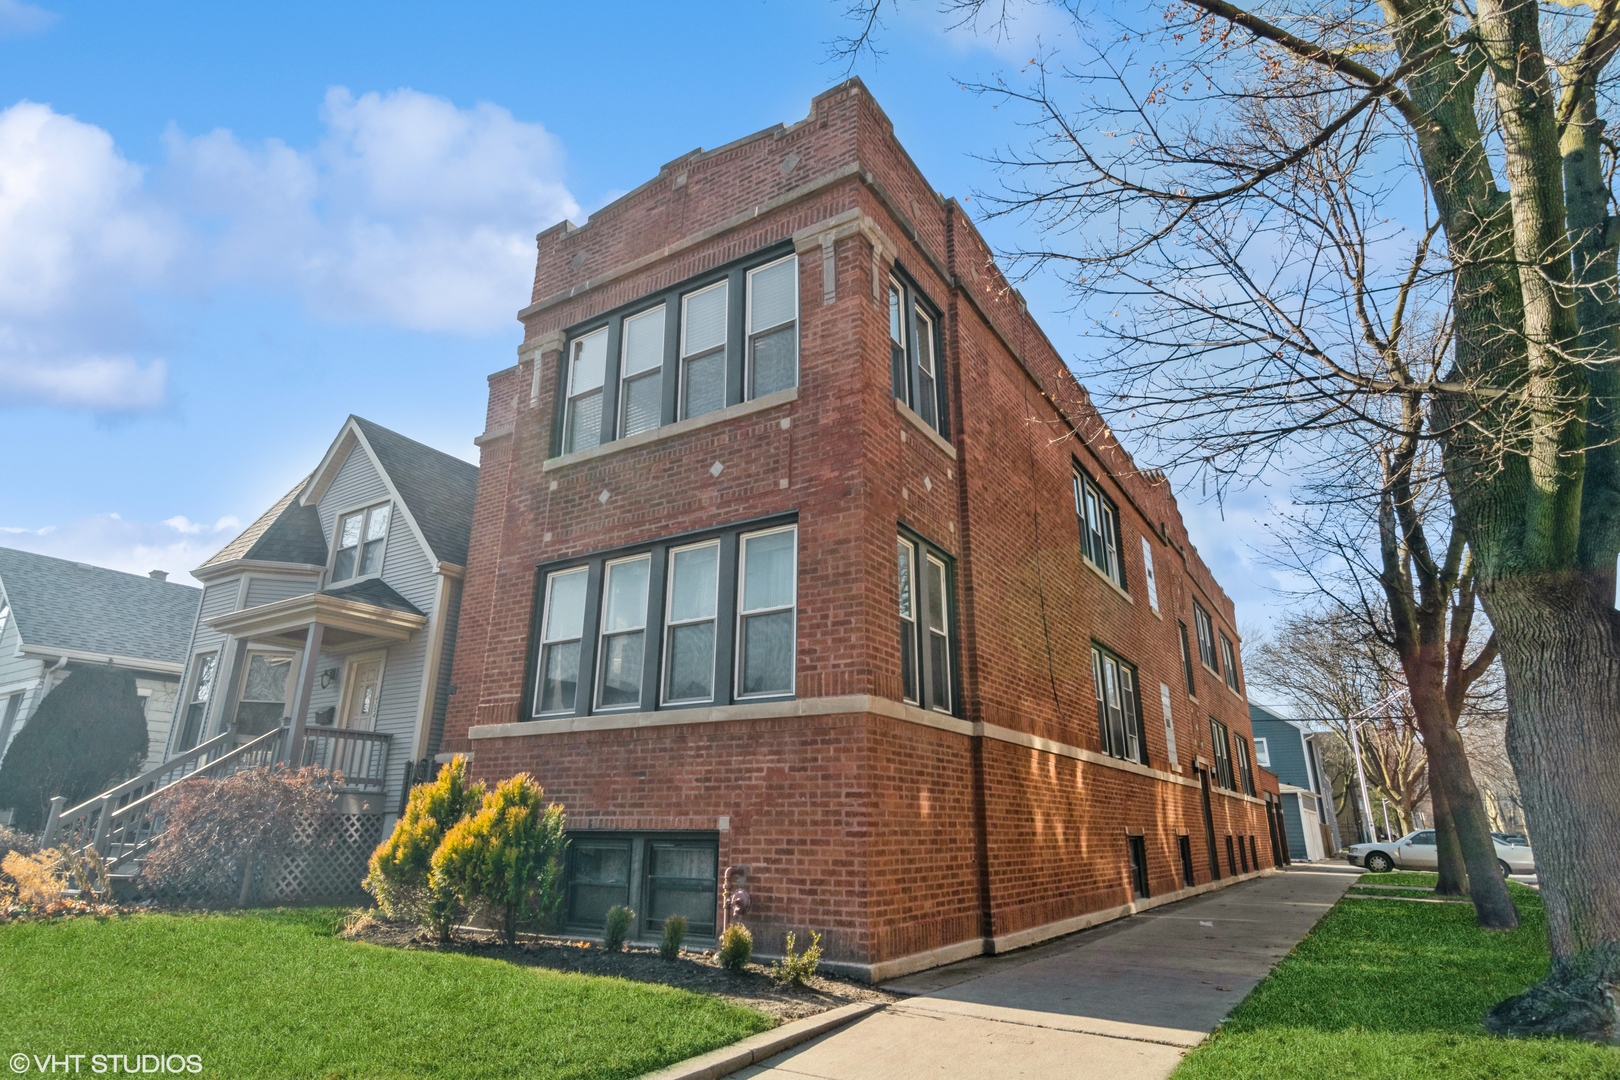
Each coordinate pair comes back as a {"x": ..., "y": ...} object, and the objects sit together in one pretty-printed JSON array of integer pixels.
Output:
[
  {"x": 58, "y": 604},
  {"x": 438, "y": 489},
  {"x": 287, "y": 532}
]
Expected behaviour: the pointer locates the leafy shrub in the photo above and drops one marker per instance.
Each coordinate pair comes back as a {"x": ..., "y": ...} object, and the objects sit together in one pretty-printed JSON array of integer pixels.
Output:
[
  {"x": 219, "y": 833},
  {"x": 401, "y": 865},
  {"x": 619, "y": 919},
  {"x": 797, "y": 970},
  {"x": 674, "y": 934},
  {"x": 20, "y": 842},
  {"x": 736, "y": 947},
  {"x": 505, "y": 862},
  {"x": 87, "y": 871},
  {"x": 88, "y": 734},
  {"x": 37, "y": 878}
]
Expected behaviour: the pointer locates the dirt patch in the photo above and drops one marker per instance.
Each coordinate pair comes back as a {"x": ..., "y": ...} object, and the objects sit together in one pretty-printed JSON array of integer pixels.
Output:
[{"x": 694, "y": 970}]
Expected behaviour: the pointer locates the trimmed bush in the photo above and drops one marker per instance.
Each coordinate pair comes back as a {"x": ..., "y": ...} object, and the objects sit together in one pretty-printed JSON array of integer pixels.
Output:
[
  {"x": 617, "y": 927},
  {"x": 797, "y": 970},
  {"x": 219, "y": 834},
  {"x": 401, "y": 865},
  {"x": 505, "y": 862},
  {"x": 674, "y": 934},
  {"x": 736, "y": 947},
  {"x": 87, "y": 735}
]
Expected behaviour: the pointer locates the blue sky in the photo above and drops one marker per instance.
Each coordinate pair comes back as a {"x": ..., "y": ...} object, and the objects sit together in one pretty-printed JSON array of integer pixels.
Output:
[{"x": 225, "y": 227}]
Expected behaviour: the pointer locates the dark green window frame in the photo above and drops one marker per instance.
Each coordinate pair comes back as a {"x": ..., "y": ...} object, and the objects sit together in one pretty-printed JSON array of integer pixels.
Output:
[
  {"x": 1119, "y": 705},
  {"x": 605, "y": 868},
  {"x": 1221, "y": 750},
  {"x": 915, "y": 341}
]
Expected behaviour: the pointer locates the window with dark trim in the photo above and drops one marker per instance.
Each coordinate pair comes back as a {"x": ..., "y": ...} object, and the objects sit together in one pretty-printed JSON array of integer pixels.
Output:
[
  {"x": 1186, "y": 660},
  {"x": 1221, "y": 750},
  {"x": 656, "y": 875},
  {"x": 1206, "y": 638},
  {"x": 923, "y": 574},
  {"x": 1184, "y": 847},
  {"x": 724, "y": 337},
  {"x": 914, "y": 353},
  {"x": 1119, "y": 708},
  {"x": 1229, "y": 662},
  {"x": 1137, "y": 846},
  {"x": 701, "y": 619},
  {"x": 1099, "y": 528},
  {"x": 1245, "y": 773}
]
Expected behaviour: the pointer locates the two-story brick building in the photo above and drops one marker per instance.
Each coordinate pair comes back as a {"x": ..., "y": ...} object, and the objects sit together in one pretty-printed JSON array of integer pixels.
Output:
[{"x": 799, "y": 551}]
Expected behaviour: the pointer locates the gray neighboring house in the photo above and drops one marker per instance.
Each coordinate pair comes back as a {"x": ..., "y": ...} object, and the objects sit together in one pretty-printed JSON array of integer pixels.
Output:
[
  {"x": 364, "y": 560},
  {"x": 57, "y": 615},
  {"x": 1289, "y": 750}
]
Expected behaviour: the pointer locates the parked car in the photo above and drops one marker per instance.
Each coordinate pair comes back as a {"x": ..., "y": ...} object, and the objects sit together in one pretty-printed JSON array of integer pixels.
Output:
[{"x": 1417, "y": 851}]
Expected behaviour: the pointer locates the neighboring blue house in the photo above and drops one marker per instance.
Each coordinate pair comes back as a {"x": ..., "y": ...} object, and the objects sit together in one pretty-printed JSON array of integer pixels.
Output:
[{"x": 1290, "y": 751}]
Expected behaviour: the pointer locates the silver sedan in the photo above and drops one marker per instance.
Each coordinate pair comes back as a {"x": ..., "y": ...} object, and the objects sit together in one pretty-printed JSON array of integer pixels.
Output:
[{"x": 1417, "y": 851}]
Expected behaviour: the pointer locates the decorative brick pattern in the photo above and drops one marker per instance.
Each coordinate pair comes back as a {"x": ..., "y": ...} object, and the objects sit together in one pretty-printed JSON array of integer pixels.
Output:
[{"x": 891, "y": 838}]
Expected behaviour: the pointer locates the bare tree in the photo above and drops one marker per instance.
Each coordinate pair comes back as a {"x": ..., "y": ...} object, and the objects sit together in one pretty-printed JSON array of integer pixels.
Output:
[{"x": 1166, "y": 178}]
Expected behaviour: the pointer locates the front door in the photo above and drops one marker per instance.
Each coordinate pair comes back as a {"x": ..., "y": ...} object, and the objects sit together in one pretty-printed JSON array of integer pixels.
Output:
[
  {"x": 365, "y": 685},
  {"x": 1209, "y": 826}
]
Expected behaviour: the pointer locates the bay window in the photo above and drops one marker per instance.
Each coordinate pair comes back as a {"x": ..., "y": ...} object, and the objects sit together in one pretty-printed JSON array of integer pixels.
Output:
[{"x": 701, "y": 619}]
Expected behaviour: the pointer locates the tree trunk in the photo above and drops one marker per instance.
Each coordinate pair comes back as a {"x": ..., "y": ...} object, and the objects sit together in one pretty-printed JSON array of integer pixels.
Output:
[
  {"x": 1561, "y": 655},
  {"x": 1449, "y": 773},
  {"x": 1453, "y": 875}
]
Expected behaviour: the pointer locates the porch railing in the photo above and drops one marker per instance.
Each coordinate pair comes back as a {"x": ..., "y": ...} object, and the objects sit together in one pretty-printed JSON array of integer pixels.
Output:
[{"x": 361, "y": 756}]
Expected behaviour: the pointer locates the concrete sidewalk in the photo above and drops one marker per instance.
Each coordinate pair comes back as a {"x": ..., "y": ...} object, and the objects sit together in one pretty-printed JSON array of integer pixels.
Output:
[{"x": 1123, "y": 1001}]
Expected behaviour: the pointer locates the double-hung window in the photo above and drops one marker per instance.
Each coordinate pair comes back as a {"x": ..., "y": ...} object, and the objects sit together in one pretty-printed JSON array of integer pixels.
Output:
[
  {"x": 703, "y": 350},
  {"x": 1186, "y": 660},
  {"x": 924, "y": 581},
  {"x": 1245, "y": 773},
  {"x": 1221, "y": 750},
  {"x": 773, "y": 327},
  {"x": 641, "y": 395},
  {"x": 360, "y": 539},
  {"x": 203, "y": 668},
  {"x": 1229, "y": 661},
  {"x": 914, "y": 354},
  {"x": 621, "y": 649},
  {"x": 765, "y": 612},
  {"x": 1206, "y": 638},
  {"x": 560, "y": 632},
  {"x": 1119, "y": 708},
  {"x": 587, "y": 372},
  {"x": 694, "y": 581},
  {"x": 701, "y": 619},
  {"x": 1099, "y": 528}
]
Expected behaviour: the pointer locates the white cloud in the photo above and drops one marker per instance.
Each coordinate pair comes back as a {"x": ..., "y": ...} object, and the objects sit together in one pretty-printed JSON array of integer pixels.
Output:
[
  {"x": 176, "y": 545},
  {"x": 78, "y": 237},
  {"x": 410, "y": 212},
  {"x": 18, "y": 19}
]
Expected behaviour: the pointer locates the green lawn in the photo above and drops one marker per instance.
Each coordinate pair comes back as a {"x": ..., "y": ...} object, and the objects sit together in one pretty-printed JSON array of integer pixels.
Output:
[
  {"x": 277, "y": 994},
  {"x": 1384, "y": 989}
]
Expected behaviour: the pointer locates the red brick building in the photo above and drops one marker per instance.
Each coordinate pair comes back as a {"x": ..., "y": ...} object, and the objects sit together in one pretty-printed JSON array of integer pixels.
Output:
[{"x": 798, "y": 550}]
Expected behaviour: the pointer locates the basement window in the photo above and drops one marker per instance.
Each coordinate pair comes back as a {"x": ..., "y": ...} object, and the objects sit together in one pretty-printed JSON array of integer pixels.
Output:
[{"x": 656, "y": 875}]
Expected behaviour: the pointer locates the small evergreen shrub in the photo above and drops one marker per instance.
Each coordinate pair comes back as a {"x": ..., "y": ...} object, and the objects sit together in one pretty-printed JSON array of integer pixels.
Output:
[
  {"x": 796, "y": 970},
  {"x": 401, "y": 865},
  {"x": 674, "y": 934},
  {"x": 505, "y": 862},
  {"x": 619, "y": 919},
  {"x": 736, "y": 947}
]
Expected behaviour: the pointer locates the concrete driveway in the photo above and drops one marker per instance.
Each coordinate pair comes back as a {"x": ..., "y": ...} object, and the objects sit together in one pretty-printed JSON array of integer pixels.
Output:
[{"x": 1123, "y": 1001}]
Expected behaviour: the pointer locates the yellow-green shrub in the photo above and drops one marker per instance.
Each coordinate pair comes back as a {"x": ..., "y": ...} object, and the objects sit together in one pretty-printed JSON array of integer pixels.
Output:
[
  {"x": 505, "y": 862},
  {"x": 401, "y": 866},
  {"x": 736, "y": 947}
]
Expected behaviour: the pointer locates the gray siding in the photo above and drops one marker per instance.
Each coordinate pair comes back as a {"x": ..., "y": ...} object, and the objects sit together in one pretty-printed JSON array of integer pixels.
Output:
[
  {"x": 17, "y": 673},
  {"x": 1295, "y": 826},
  {"x": 269, "y": 590},
  {"x": 408, "y": 570}
]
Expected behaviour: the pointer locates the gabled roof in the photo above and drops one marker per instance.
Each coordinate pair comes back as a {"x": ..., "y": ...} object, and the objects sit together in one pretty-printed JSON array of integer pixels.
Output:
[
  {"x": 59, "y": 604},
  {"x": 436, "y": 489},
  {"x": 1260, "y": 714},
  {"x": 288, "y": 532}
]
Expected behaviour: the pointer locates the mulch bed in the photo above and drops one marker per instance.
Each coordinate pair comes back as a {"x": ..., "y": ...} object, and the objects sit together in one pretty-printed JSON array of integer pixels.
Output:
[{"x": 698, "y": 971}]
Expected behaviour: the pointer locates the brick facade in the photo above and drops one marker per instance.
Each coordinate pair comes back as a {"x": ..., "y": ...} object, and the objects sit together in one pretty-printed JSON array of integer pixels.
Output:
[{"x": 906, "y": 837}]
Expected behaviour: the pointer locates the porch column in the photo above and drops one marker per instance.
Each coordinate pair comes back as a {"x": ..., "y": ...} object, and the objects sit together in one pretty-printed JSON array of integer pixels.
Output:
[
  {"x": 305, "y": 690},
  {"x": 227, "y": 677}
]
